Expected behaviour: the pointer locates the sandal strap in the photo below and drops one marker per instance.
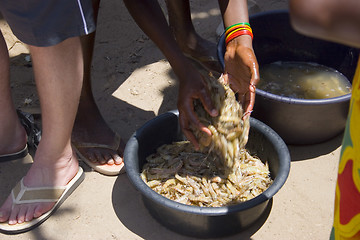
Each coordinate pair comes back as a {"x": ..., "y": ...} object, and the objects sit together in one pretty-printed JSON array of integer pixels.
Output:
[
  {"x": 33, "y": 132},
  {"x": 22, "y": 194}
]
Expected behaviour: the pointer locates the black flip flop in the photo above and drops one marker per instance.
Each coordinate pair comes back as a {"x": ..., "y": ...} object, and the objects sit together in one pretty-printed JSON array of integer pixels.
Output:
[
  {"x": 32, "y": 130},
  {"x": 33, "y": 137}
]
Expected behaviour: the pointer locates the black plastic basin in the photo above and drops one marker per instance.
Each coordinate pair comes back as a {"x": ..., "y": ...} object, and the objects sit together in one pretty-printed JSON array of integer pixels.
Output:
[
  {"x": 204, "y": 222},
  {"x": 298, "y": 121}
]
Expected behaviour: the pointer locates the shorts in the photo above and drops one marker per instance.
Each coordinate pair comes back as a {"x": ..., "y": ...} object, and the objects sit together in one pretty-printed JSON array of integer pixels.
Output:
[{"x": 45, "y": 23}]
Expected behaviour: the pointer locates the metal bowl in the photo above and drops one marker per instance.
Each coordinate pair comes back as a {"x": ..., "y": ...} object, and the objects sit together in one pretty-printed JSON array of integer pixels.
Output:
[
  {"x": 204, "y": 222},
  {"x": 298, "y": 121}
]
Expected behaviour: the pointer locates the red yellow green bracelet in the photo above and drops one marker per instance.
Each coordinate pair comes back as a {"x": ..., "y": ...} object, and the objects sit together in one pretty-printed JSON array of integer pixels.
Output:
[
  {"x": 236, "y": 30},
  {"x": 237, "y": 26}
]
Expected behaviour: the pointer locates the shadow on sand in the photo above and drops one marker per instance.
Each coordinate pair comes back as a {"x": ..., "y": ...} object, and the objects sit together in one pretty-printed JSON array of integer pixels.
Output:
[{"x": 131, "y": 211}]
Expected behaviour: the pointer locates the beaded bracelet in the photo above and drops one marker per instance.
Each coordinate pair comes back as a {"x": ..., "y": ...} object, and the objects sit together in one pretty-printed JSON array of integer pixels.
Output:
[{"x": 236, "y": 30}]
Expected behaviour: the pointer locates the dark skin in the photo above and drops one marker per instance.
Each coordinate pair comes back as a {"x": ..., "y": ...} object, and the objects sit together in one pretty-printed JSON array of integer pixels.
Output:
[
  {"x": 150, "y": 18},
  {"x": 241, "y": 66},
  {"x": 238, "y": 75},
  {"x": 192, "y": 84},
  {"x": 94, "y": 129},
  {"x": 188, "y": 40}
]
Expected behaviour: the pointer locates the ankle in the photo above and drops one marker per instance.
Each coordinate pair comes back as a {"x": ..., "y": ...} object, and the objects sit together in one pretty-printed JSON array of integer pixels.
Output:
[
  {"x": 50, "y": 147},
  {"x": 51, "y": 173},
  {"x": 13, "y": 137}
]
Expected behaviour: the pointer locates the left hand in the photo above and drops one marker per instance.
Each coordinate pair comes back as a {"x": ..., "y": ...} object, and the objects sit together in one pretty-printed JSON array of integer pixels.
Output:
[{"x": 242, "y": 70}]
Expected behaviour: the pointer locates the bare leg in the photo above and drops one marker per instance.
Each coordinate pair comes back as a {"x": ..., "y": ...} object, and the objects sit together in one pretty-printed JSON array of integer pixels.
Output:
[
  {"x": 90, "y": 127},
  {"x": 58, "y": 72},
  {"x": 12, "y": 134},
  {"x": 189, "y": 41},
  {"x": 327, "y": 20}
]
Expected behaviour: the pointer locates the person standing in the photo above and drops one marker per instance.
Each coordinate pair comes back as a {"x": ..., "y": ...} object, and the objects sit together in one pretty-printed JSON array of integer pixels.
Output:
[
  {"x": 52, "y": 30},
  {"x": 339, "y": 21}
]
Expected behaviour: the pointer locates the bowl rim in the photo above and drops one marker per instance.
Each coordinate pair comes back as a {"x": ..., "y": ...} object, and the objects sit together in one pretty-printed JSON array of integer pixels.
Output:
[
  {"x": 283, "y": 172},
  {"x": 289, "y": 100},
  {"x": 339, "y": 99}
]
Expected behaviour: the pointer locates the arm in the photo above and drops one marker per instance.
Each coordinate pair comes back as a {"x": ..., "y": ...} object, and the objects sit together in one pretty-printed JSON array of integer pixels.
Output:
[
  {"x": 241, "y": 67},
  {"x": 331, "y": 20},
  {"x": 150, "y": 18}
]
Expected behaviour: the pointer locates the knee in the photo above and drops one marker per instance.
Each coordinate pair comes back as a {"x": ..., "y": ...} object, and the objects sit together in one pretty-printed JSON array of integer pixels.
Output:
[{"x": 308, "y": 16}]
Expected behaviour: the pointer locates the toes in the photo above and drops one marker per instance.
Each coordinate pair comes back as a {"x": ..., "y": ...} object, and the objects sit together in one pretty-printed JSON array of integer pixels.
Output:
[
  {"x": 14, "y": 215},
  {"x": 30, "y": 214},
  {"x": 94, "y": 156},
  {"x": 24, "y": 212},
  {"x": 91, "y": 156},
  {"x": 100, "y": 157},
  {"x": 41, "y": 209},
  {"x": 37, "y": 212},
  {"x": 21, "y": 215},
  {"x": 103, "y": 156},
  {"x": 114, "y": 158},
  {"x": 5, "y": 210},
  {"x": 4, "y": 215},
  {"x": 108, "y": 158},
  {"x": 118, "y": 159}
]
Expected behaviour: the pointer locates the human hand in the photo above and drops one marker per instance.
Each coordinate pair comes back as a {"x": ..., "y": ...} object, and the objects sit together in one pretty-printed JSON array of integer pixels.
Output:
[
  {"x": 242, "y": 70},
  {"x": 192, "y": 87}
]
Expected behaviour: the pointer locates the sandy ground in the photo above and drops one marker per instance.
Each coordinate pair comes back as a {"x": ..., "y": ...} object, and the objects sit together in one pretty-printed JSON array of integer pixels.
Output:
[{"x": 132, "y": 84}]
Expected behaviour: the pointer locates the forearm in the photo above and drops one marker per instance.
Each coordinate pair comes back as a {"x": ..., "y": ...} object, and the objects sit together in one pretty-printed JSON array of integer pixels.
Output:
[
  {"x": 241, "y": 66},
  {"x": 150, "y": 18},
  {"x": 233, "y": 12}
]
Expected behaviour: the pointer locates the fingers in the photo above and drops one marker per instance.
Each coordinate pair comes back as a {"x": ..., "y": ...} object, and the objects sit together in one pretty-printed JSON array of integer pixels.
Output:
[
  {"x": 226, "y": 77},
  {"x": 247, "y": 105},
  {"x": 250, "y": 101},
  {"x": 191, "y": 137},
  {"x": 188, "y": 117},
  {"x": 191, "y": 118},
  {"x": 252, "y": 88},
  {"x": 205, "y": 98},
  {"x": 207, "y": 103},
  {"x": 255, "y": 76},
  {"x": 184, "y": 124},
  {"x": 243, "y": 80},
  {"x": 190, "y": 91}
]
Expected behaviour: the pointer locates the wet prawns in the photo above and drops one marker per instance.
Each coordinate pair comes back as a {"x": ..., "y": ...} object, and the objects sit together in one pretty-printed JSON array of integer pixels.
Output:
[{"x": 223, "y": 172}]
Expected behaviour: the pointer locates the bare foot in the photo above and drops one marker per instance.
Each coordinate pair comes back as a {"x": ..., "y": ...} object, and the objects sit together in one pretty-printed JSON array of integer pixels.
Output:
[
  {"x": 91, "y": 133},
  {"x": 41, "y": 174}
]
